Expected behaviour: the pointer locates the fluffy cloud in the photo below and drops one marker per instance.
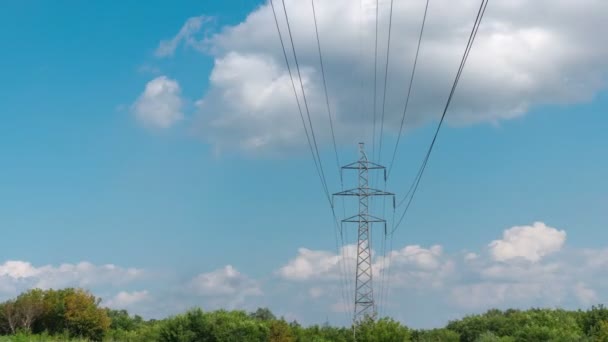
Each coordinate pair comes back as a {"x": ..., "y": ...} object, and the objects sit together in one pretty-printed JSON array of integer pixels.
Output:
[
  {"x": 186, "y": 35},
  {"x": 256, "y": 99},
  {"x": 160, "y": 104},
  {"x": 419, "y": 257},
  {"x": 124, "y": 299},
  {"x": 528, "y": 242},
  {"x": 518, "y": 61},
  {"x": 224, "y": 282},
  {"x": 16, "y": 276},
  {"x": 311, "y": 264},
  {"x": 415, "y": 267},
  {"x": 527, "y": 267},
  {"x": 18, "y": 269},
  {"x": 221, "y": 289},
  {"x": 319, "y": 275}
]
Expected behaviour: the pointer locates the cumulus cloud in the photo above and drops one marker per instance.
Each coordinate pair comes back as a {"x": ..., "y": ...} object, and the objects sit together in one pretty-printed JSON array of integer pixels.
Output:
[
  {"x": 160, "y": 105},
  {"x": 125, "y": 299},
  {"x": 527, "y": 267},
  {"x": 256, "y": 99},
  {"x": 186, "y": 35},
  {"x": 17, "y": 276},
  {"x": 223, "y": 288},
  {"x": 419, "y": 257},
  {"x": 412, "y": 266},
  {"x": 311, "y": 264},
  {"x": 520, "y": 59},
  {"x": 470, "y": 256},
  {"x": 18, "y": 269},
  {"x": 224, "y": 282},
  {"x": 528, "y": 242}
]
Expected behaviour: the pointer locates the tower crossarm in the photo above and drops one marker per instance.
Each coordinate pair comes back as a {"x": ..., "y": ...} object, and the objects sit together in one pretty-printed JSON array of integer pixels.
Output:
[
  {"x": 368, "y": 218},
  {"x": 364, "y": 192}
]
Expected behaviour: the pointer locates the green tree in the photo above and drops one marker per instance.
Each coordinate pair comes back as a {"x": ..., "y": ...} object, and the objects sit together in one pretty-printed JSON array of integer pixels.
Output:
[
  {"x": 489, "y": 336},
  {"x": 84, "y": 317},
  {"x": 593, "y": 318},
  {"x": 435, "y": 335},
  {"x": 383, "y": 330},
  {"x": 121, "y": 320},
  {"x": 54, "y": 309},
  {"x": 10, "y": 317},
  {"x": 599, "y": 333},
  {"x": 29, "y": 306},
  {"x": 280, "y": 331},
  {"x": 263, "y": 314},
  {"x": 176, "y": 329}
]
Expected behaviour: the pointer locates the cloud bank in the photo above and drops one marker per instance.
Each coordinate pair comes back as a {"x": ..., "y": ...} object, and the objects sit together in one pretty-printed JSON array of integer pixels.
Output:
[
  {"x": 526, "y": 54},
  {"x": 530, "y": 265}
]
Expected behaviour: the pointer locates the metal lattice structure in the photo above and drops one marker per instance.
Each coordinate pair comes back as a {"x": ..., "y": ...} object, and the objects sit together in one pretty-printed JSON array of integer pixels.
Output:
[{"x": 364, "y": 290}]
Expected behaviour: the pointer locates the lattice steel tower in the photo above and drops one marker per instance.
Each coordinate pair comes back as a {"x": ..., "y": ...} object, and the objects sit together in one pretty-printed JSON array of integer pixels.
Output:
[{"x": 364, "y": 290}]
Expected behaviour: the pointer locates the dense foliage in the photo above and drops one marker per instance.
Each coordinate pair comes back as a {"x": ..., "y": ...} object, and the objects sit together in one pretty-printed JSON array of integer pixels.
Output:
[{"x": 75, "y": 315}]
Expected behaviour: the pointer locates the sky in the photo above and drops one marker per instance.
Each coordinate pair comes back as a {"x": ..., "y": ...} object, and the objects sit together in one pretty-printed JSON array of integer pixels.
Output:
[{"x": 154, "y": 155}]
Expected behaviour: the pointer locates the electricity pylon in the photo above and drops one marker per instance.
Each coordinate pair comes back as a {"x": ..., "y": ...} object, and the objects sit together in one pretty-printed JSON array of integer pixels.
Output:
[{"x": 364, "y": 291}]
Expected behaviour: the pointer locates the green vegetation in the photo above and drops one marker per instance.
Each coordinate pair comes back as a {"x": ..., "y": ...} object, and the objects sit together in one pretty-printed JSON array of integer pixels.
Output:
[{"x": 75, "y": 315}]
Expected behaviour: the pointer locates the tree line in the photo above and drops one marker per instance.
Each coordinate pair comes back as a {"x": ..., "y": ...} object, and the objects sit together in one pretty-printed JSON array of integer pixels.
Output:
[{"x": 77, "y": 315}]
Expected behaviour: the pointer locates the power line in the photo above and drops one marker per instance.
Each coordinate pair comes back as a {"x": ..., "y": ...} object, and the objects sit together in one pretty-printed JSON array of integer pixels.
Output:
[
  {"x": 312, "y": 131},
  {"x": 409, "y": 90},
  {"x": 388, "y": 271},
  {"x": 316, "y": 157},
  {"x": 295, "y": 92},
  {"x": 375, "y": 85},
  {"x": 360, "y": 58},
  {"x": 416, "y": 183},
  {"x": 386, "y": 268},
  {"x": 331, "y": 124},
  {"x": 388, "y": 53},
  {"x": 383, "y": 275}
]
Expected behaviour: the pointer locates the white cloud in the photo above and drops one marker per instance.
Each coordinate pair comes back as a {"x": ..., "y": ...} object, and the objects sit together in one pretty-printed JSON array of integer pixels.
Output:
[
  {"x": 160, "y": 104},
  {"x": 470, "y": 256},
  {"x": 419, "y": 257},
  {"x": 526, "y": 268},
  {"x": 255, "y": 96},
  {"x": 225, "y": 288},
  {"x": 311, "y": 264},
  {"x": 518, "y": 61},
  {"x": 224, "y": 282},
  {"x": 16, "y": 276},
  {"x": 124, "y": 299},
  {"x": 528, "y": 242},
  {"x": 585, "y": 294},
  {"x": 17, "y": 269},
  {"x": 412, "y": 267},
  {"x": 186, "y": 34},
  {"x": 310, "y": 283}
]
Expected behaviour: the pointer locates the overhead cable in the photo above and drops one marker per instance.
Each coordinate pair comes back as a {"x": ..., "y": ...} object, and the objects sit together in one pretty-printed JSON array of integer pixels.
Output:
[
  {"x": 416, "y": 183},
  {"x": 409, "y": 90}
]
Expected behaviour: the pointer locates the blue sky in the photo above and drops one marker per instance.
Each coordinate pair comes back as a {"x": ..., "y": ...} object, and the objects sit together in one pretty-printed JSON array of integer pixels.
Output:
[{"x": 203, "y": 192}]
